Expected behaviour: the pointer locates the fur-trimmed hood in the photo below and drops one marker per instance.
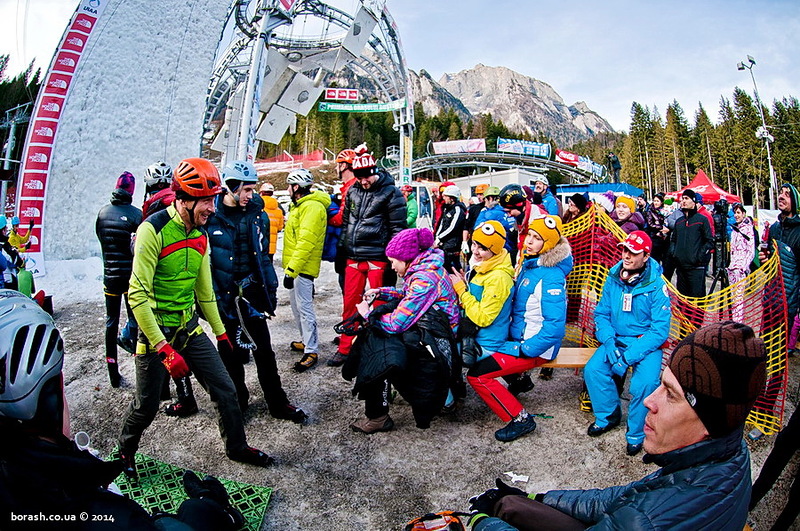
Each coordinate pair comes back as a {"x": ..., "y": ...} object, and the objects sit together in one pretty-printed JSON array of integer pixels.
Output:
[{"x": 557, "y": 254}]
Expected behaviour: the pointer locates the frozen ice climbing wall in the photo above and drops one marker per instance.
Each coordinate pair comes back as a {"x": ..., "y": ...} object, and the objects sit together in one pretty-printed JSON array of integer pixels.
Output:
[{"x": 137, "y": 95}]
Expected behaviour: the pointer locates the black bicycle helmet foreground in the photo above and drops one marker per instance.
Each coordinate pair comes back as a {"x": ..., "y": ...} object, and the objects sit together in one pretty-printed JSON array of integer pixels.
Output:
[{"x": 31, "y": 358}]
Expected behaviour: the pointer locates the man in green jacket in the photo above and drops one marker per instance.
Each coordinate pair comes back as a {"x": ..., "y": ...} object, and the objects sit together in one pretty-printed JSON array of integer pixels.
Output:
[
  {"x": 303, "y": 239},
  {"x": 171, "y": 269}
]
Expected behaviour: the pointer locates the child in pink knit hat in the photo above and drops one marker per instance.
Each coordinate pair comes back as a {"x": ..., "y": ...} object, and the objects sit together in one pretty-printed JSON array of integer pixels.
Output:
[{"x": 425, "y": 287}]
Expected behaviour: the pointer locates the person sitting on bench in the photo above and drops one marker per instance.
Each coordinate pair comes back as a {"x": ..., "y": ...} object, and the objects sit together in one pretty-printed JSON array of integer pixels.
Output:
[
  {"x": 538, "y": 319},
  {"x": 631, "y": 323}
]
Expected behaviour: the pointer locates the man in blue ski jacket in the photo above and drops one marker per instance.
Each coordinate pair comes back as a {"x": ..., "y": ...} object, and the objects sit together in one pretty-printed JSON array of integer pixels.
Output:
[{"x": 631, "y": 323}]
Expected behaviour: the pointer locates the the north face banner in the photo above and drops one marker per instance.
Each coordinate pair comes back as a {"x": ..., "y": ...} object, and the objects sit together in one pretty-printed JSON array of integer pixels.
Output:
[{"x": 42, "y": 133}]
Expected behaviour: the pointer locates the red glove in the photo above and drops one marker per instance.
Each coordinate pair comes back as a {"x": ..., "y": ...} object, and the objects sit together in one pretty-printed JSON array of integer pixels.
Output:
[
  {"x": 223, "y": 338},
  {"x": 174, "y": 362}
]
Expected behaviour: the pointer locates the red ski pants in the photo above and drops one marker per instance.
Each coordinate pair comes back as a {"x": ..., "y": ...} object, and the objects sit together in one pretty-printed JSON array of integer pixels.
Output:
[
  {"x": 356, "y": 276},
  {"x": 483, "y": 378}
]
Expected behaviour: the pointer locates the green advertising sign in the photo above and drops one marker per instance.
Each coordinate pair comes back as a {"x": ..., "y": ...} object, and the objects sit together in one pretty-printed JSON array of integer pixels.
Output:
[{"x": 362, "y": 107}]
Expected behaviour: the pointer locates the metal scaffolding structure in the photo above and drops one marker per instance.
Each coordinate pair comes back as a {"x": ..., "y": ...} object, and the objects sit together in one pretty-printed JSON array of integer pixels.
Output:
[{"x": 270, "y": 68}]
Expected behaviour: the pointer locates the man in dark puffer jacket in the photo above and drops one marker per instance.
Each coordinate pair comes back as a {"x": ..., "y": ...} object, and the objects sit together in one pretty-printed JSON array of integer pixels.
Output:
[
  {"x": 692, "y": 241},
  {"x": 374, "y": 211},
  {"x": 114, "y": 226},
  {"x": 245, "y": 285},
  {"x": 693, "y": 431},
  {"x": 787, "y": 231}
]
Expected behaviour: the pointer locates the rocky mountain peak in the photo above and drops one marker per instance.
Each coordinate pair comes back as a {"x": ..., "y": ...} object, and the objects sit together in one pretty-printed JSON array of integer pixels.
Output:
[{"x": 521, "y": 102}]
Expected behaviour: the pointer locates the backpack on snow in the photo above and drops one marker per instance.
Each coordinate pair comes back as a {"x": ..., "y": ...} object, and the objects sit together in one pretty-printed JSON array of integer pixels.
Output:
[{"x": 444, "y": 520}]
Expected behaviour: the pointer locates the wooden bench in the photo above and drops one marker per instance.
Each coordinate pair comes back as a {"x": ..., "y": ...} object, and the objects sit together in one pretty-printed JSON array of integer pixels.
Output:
[{"x": 571, "y": 358}]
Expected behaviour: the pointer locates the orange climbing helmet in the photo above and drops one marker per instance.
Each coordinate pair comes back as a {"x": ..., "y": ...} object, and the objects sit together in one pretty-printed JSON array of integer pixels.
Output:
[
  {"x": 196, "y": 178},
  {"x": 347, "y": 156}
]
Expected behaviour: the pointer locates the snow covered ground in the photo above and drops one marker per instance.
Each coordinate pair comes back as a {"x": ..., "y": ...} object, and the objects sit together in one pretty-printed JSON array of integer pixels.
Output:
[{"x": 325, "y": 472}]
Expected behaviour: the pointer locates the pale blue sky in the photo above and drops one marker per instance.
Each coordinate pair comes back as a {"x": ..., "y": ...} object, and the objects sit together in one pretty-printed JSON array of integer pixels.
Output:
[{"x": 607, "y": 54}]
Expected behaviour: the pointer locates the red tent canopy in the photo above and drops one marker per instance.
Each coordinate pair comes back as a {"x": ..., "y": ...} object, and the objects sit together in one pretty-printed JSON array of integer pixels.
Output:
[{"x": 710, "y": 191}]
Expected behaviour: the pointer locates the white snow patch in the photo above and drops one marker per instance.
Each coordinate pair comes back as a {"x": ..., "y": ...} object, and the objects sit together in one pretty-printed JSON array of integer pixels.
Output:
[{"x": 71, "y": 281}]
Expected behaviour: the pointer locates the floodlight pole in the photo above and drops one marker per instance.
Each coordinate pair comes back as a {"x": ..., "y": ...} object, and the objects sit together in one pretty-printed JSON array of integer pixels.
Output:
[{"x": 773, "y": 185}]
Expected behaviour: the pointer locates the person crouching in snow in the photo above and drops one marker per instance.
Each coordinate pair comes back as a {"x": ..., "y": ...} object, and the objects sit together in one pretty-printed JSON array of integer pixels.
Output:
[
  {"x": 538, "y": 317},
  {"x": 427, "y": 311}
]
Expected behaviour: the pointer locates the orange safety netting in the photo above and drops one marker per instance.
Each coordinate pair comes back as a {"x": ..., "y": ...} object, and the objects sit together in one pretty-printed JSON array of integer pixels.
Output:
[{"x": 758, "y": 301}]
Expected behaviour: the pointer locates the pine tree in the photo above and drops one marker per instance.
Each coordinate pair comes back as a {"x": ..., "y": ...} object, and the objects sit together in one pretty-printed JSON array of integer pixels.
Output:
[
  {"x": 786, "y": 130},
  {"x": 728, "y": 161},
  {"x": 748, "y": 147},
  {"x": 702, "y": 157},
  {"x": 676, "y": 134}
]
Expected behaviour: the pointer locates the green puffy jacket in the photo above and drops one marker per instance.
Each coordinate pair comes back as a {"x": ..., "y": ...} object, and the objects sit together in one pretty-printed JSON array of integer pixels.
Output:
[
  {"x": 304, "y": 234},
  {"x": 411, "y": 209}
]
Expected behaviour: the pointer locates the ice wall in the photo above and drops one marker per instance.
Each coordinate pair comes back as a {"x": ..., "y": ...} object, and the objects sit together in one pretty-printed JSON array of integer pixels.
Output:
[{"x": 138, "y": 96}]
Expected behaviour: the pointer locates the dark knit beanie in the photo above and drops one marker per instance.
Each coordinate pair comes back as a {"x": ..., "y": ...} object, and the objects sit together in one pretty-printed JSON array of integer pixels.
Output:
[
  {"x": 579, "y": 201},
  {"x": 126, "y": 182},
  {"x": 690, "y": 194},
  {"x": 722, "y": 370}
]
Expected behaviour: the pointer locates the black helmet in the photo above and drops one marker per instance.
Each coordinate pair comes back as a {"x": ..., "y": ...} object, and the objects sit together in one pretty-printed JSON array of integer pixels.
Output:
[{"x": 512, "y": 196}]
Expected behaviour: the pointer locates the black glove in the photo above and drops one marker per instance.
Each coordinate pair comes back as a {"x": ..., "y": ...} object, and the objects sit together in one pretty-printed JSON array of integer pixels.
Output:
[
  {"x": 288, "y": 282},
  {"x": 30, "y": 226},
  {"x": 508, "y": 490},
  {"x": 485, "y": 502}
]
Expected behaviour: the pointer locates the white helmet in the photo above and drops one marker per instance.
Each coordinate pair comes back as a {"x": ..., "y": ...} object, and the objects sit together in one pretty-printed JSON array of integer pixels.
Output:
[
  {"x": 541, "y": 178},
  {"x": 31, "y": 356},
  {"x": 237, "y": 173},
  {"x": 452, "y": 191},
  {"x": 300, "y": 176},
  {"x": 158, "y": 174}
]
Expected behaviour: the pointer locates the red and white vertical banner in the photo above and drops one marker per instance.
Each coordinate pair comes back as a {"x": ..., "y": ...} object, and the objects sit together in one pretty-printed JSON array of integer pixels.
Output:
[{"x": 38, "y": 151}]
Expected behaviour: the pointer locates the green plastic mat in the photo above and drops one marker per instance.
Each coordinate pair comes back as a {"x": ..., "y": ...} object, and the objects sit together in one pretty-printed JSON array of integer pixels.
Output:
[{"x": 160, "y": 488}]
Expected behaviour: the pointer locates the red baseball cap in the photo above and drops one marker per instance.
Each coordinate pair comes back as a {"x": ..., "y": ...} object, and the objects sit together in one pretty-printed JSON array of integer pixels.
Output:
[{"x": 637, "y": 242}]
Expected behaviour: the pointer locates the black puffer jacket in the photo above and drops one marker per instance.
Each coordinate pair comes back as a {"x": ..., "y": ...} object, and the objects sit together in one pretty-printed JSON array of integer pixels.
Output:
[
  {"x": 371, "y": 218},
  {"x": 114, "y": 226},
  {"x": 450, "y": 228},
  {"x": 422, "y": 362},
  {"x": 692, "y": 240},
  {"x": 261, "y": 288},
  {"x": 787, "y": 231}
]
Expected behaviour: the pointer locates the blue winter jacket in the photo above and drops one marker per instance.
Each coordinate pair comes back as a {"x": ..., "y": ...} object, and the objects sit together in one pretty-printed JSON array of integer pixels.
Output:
[
  {"x": 646, "y": 326},
  {"x": 539, "y": 309},
  {"x": 705, "y": 486},
  {"x": 550, "y": 204}
]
